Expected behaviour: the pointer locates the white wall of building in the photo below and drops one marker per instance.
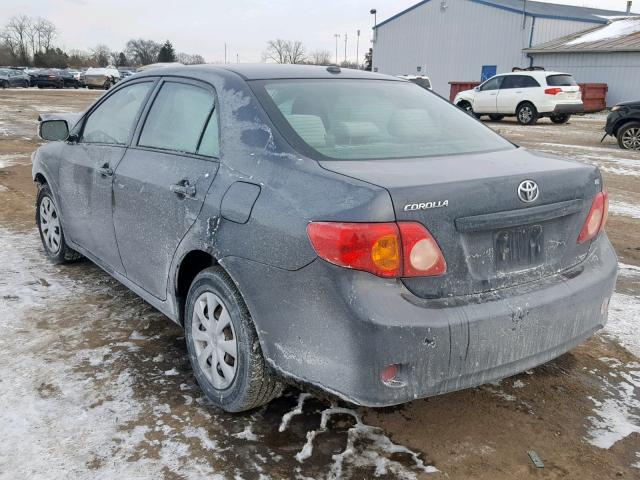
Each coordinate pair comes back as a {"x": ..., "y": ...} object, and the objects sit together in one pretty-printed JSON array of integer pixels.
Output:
[
  {"x": 453, "y": 43},
  {"x": 621, "y": 71}
]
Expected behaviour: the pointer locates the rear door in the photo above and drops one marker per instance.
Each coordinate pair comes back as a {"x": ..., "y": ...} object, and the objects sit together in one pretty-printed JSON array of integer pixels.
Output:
[
  {"x": 485, "y": 99},
  {"x": 86, "y": 170},
  {"x": 161, "y": 183},
  {"x": 514, "y": 89}
]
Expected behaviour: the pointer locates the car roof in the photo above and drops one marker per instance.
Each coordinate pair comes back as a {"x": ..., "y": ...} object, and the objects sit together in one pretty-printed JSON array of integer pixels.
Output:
[
  {"x": 533, "y": 73},
  {"x": 268, "y": 71}
]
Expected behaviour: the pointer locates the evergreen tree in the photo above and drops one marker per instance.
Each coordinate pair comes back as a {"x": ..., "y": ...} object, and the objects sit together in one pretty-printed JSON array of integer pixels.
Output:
[
  {"x": 368, "y": 60},
  {"x": 122, "y": 60},
  {"x": 167, "y": 54}
]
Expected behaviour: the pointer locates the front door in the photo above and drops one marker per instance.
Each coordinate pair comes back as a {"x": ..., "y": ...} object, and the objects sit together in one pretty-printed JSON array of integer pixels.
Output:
[
  {"x": 162, "y": 181},
  {"x": 86, "y": 172},
  {"x": 513, "y": 90},
  {"x": 485, "y": 98}
]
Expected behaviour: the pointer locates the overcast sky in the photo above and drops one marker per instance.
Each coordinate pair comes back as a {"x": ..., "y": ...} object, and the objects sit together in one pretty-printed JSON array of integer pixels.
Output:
[{"x": 203, "y": 26}]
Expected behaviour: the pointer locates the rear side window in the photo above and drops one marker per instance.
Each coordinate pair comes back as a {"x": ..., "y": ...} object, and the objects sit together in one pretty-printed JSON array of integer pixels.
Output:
[
  {"x": 561, "y": 81},
  {"x": 518, "y": 81},
  {"x": 210, "y": 144},
  {"x": 114, "y": 119},
  {"x": 177, "y": 118},
  {"x": 423, "y": 82}
]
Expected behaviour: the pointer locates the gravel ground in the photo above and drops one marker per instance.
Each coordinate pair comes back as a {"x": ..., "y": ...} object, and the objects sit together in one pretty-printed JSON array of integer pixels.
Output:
[{"x": 94, "y": 383}]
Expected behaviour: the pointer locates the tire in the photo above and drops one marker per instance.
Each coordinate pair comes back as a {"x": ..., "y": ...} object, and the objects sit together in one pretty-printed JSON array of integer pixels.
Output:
[
  {"x": 466, "y": 106},
  {"x": 107, "y": 84},
  {"x": 245, "y": 383},
  {"x": 629, "y": 136},
  {"x": 75, "y": 85},
  {"x": 496, "y": 118},
  {"x": 526, "y": 114},
  {"x": 3, "y": 85},
  {"x": 50, "y": 228},
  {"x": 26, "y": 84},
  {"x": 560, "y": 117},
  {"x": 39, "y": 86}
]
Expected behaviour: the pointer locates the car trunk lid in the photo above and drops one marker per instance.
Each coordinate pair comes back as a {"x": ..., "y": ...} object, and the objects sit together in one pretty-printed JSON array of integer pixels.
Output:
[{"x": 490, "y": 237}]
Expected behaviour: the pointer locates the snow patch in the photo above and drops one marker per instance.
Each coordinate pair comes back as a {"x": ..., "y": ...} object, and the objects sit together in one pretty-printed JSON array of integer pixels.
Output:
[
  {"x": 615, "y": 29},
  {"x": 624, "y": 321},
  {"x": 247, "y": 434},
  {"x": 624, "y": 209}
]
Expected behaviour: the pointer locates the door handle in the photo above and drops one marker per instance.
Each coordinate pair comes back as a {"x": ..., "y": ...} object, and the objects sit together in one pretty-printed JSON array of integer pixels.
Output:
[
  {"x": 105, "y": 171},
  {"x": 183, "y": 189}
]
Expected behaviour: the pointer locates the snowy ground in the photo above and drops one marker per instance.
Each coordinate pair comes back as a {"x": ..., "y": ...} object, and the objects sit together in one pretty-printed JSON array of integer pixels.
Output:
[{"x": 94, "y": 383}]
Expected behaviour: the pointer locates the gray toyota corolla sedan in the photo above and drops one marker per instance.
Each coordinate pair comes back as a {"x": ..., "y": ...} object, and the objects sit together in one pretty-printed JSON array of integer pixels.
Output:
[{"x": 335, "y": 228}]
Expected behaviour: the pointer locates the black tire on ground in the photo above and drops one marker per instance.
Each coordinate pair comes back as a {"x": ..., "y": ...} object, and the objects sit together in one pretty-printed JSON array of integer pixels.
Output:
[
  {"x": 75, "y": 85},
  {"x": 560, "y": 117},
  {"x": 4, "y": 85},
  {"x": 26, "y": 84},
  {"x": 629, "y": 136},
  {"x": 39, "y": 86},
  {"x": 466, "y": 106},
  {"x": 107, "y": 84},
  {"x": 496, "y": 118},
  {"x": 57, "y": 252},
  {"x": 526, "y": 114},
  {"x": 253, "y": 384}
]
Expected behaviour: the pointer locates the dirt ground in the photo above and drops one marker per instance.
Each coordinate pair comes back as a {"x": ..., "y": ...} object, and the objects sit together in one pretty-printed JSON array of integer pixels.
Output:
[{"x": 94, "y": 383}]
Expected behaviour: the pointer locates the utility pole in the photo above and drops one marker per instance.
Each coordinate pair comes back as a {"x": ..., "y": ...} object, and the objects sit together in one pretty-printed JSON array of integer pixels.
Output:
[
  {"x": 358, "y": 50},
  {"x": 337, "y": 35},
  {"x": 237, "y": 58},
  {"x": 345, "y": 48},
  {"x": 225, "y": 53}
]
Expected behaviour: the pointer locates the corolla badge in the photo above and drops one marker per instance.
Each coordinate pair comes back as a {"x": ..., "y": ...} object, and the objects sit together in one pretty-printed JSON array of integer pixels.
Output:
[
  {"x": 528, "y": 191},
  {"x": 426, "y": 205}
]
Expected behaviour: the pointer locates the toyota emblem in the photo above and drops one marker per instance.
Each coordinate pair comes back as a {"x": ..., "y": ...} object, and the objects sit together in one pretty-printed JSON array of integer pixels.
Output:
[{"x": 528, "y": 191}]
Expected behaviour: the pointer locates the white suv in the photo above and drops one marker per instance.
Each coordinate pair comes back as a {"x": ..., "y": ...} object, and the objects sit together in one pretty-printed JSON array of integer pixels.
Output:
[{"x": 528, "y": 95}]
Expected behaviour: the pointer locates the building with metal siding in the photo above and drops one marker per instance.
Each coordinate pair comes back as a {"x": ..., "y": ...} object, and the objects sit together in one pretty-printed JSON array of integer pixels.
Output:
[
  {"x": 459, "y": 40},
  {"x": 605, "y": 54}
]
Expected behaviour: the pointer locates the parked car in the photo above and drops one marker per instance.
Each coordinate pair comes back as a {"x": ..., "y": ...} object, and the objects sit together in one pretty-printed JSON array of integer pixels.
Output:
[
  {"x": 10, "y": 77},
  {"x": 529, "y": 95},
  {"x": 422, "y": 80},
  {"x": 339, "y": 228},
  {"x": 47, "y": 78},
  {"x": 69, "y": 79},
  {"x": 78, "y": 77},
  {"x": 101, "y": 77},
  {"x": 624, "y": 123}
]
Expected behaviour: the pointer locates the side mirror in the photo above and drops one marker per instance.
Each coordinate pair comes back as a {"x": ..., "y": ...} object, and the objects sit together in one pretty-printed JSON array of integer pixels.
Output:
[
  {"x": 476, "y": 89},
  {"x": 54, "y": 130}
]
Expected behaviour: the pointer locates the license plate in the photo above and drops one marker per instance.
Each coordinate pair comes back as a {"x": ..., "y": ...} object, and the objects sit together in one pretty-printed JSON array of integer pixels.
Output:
[{"x": 519, "y": 248}]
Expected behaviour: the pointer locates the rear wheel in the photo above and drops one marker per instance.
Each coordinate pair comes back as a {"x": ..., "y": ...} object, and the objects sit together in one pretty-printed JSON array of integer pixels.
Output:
[
  {"x": 50, "y": 228},
  {"x": 629, "y": 136},
  {"x": 3, "y": 84},
  {"x": 26, "y": 84},
  {"x": 106, "y": 85},
  {"x": 496, "y": 118},
  {"x": 526, "y": 114},
  {"x": 223, "y": 345},
  {"x": 560, "y": 117}
]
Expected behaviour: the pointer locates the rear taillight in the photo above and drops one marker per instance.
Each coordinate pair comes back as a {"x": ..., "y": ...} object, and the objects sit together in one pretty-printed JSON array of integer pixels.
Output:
[
  {"x": 390, "y": 250},
  {"x": 596, "y": 219},
  {"x": 552, "y": 91}
]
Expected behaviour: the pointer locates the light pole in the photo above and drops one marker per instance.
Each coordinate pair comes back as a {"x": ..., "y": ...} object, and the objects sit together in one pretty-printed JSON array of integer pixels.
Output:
[
  {"x": 358, "y": 50},
  {"x": 337, "y": 35},
  {"x": 345, "y": 48},
  {"x": 374, "y": 12}
]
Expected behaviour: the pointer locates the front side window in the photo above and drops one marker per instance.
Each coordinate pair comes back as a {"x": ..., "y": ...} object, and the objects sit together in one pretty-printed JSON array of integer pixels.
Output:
[
  {"x": 115, "y": 118},
  {"x": 561, "y": 81},
  {"x": 346, "y": 119},
  {"x": 177, "y": 118},
  {"x": 491, "y": 84}
]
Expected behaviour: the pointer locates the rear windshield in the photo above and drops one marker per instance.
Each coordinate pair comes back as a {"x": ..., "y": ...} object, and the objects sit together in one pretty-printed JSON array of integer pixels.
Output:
[
  {"x": 346, "y": 119},
  {"x": 561, "y": 81}
]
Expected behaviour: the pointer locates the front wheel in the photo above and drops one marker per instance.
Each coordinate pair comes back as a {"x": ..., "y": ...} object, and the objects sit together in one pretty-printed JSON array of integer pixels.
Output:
[
  {"x": 629, "y": 136},
  {"x": 223, "y": 345},
  {"x": 50, "y": 228},
  {"x": 560, "y": 117},
  {"x": 26, "y": 84},
  {"x": 107, "y": 84},
  {"x": 526, "y": 114},
  {"x": 3, "y": 85}
]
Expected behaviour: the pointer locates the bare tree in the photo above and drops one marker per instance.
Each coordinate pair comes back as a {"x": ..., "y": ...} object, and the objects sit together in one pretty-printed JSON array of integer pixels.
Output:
[
  {"x": 101, "y": 54},
  {"x": 320, "y": 57},
  {"x": 296, "y": 52},
  {"x": 189, "y": 59},
  {"x": 142, "y": 51},
  {"x": 16, "y": 37},
  {"x": 46, "y": 32},
  {"x": 284, "y": 51}
]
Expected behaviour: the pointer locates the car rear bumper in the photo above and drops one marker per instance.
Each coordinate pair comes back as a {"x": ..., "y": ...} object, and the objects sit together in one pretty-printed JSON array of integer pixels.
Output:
[
  {"x": 338, "y": 329},
  {"x": 568, "y": 108}
]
